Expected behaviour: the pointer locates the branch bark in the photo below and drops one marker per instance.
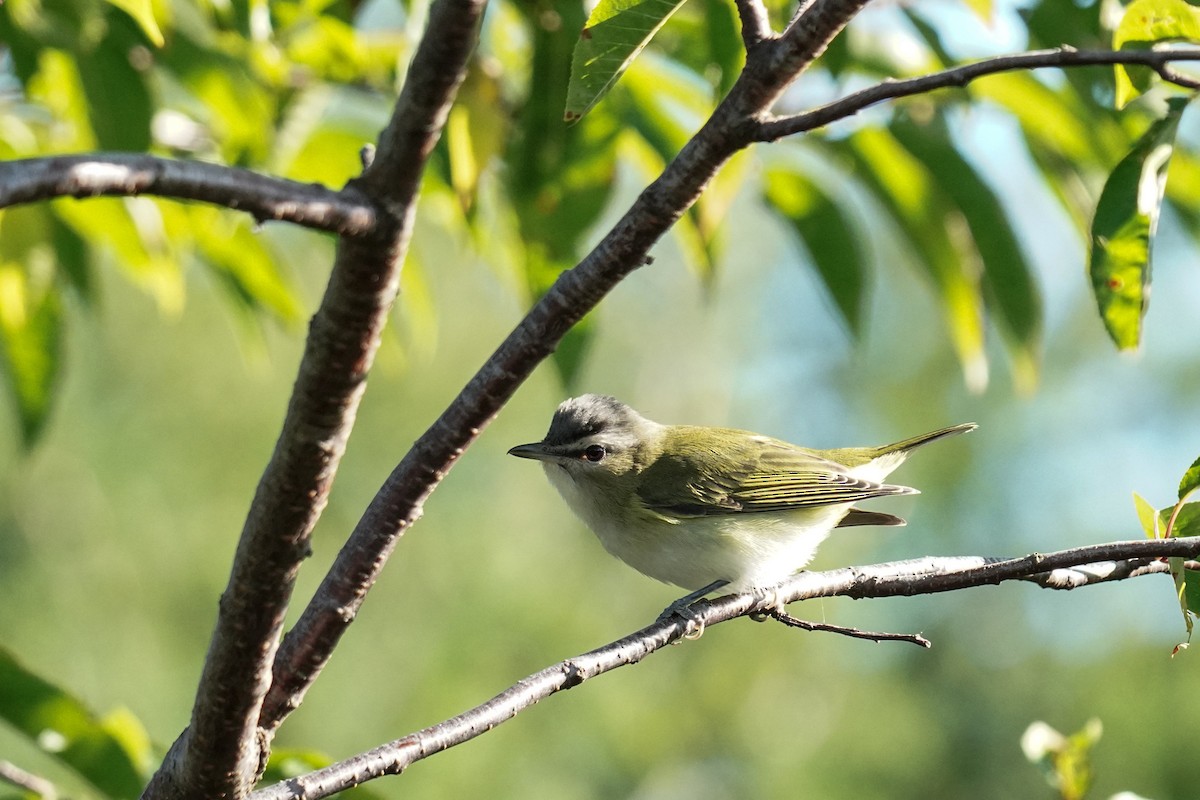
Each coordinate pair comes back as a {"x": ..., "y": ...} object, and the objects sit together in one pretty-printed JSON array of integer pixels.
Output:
[
  {"x": 902, "y": 578},
  {"x": 399, "y": 502},
  {"x": 125, "y": 174},
  {"x": 774, "y": 128},
  {"x": 224, "y": 750}
]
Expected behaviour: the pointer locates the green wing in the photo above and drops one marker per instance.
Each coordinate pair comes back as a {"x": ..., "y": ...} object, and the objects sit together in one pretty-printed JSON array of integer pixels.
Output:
[{"x": 756, "y": 474}]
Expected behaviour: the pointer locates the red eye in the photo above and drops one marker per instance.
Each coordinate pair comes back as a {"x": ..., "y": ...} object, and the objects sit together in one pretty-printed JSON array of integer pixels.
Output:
[{"x": 595, "y": 452}]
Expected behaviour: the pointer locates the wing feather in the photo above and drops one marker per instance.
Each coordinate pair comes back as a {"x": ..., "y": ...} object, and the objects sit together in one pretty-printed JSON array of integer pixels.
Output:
[{"x": 757, "y": 475}]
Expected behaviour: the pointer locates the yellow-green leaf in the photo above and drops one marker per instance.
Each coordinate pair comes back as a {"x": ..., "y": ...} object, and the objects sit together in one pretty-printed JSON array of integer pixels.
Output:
[
  {"x": 1124, "y": 225},
  {"x": 1147, "y": 515},
  {"x": 142, "y": 12},
  {"x": 1144, "y": 23},
  {"x": 616, "y": 31},
  {"x": 113, "y": 753},
  {"x": 1190, "y": 481}
]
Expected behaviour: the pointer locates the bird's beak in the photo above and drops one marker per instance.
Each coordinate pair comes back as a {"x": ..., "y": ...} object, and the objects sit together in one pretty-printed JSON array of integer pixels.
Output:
[{"x": 535, "y": 450}]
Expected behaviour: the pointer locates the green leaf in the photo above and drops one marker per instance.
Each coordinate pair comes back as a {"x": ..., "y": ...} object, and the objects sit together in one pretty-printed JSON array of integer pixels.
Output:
[
  {"x": 1124, "y": 225},
  {"x": 615, "y": 32},
  {"x": 112, "y": 753},
  {"x": 910, "y": 194},
  {"x": 1147, "y": 515},
  {"x": 31, "y": 321},
  {"x": 142, "y": 12},
  {"x": 119, "y": 104},
  {"x": 1190, "y": 481},
  {"x": 834, "y": 243},
  {"x": 245, "y": 265},
  {"x": 1144, "y": 23},
  {"x": 1008, "y": 281}
]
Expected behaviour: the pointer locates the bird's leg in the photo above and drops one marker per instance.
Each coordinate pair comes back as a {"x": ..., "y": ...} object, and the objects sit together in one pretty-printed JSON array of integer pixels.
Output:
[{"x": 682, "y": 608}]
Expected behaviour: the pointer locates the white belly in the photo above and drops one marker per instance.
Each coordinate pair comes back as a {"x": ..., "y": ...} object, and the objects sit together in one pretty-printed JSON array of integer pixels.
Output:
[{"x": 747, "y": 550}]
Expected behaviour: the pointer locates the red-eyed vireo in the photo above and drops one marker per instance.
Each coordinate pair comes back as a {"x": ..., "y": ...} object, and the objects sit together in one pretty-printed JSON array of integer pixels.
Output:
[{"x": 705, "y": 507}]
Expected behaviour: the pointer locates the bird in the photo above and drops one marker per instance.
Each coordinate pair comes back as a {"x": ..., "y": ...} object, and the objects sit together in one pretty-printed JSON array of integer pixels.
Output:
[{"x": 706, "y": 508}]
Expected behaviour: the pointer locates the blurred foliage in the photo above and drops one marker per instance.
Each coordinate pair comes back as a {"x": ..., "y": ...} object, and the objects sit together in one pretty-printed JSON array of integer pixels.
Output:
[
  {"x": 1064, "y": 760},
  {"x": 296, "y": 87}
]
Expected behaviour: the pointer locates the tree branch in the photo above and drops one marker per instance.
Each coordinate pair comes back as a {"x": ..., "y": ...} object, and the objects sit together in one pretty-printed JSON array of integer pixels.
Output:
[
  {"x": 223, "y": 750},
  {"x": 907, "y": 578},
  {"x": 399, "y": 503},
  {"x": 756, "y": 23},
  {"x": 1159, "y": 60},
  {"x": 34, "y": 784},
  {"x": 125, "y": 174}
]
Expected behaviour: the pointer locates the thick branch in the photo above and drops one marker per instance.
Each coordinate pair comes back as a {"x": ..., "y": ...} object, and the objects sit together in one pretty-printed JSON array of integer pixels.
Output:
[
  {"x": 124, "y": 174},
  {"x": 222, "y": 752},
  {"x": 848, "y": 106},
  {"x": 398, "y": 504},
  {"x": 922, "y": 576}
]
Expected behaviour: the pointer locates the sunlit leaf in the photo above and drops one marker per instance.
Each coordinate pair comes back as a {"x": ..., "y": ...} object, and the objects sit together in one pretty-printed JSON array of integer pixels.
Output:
[
  {"x": 1147, "y": 515},
  {"x": 834, "y": 243},
  {"x": 1190, "y": 481},
  {"x": 31, "y": 322},
  {"x": 132, "y": 232},
  {"x": 1065, "y": 761},
  {"x": 142, "y": 12},
  {"x": 112, "y": 753},
  {"x": 615, "y": 32},
  {"x": 1008, "y": 282},
  {"x": 242, "y": 261},
  {"x": 1144, "y": 23},
  {"x": 1124, "y": 225},
  {"x": 912, "y": 199}
]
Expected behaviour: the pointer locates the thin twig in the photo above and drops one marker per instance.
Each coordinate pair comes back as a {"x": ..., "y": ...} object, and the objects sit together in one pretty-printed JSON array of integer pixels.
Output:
[
  {"x": 902, "y": 578},
  {"x": 36, "y": 784},
  {"x": 1159, "y": 60},
  {"x": 854, "y": 633},
  {"x": 124, "y": 174}
]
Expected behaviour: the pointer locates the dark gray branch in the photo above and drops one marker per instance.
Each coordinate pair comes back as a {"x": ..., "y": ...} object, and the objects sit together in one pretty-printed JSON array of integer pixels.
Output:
[
  {"x": 125, "y": 174},
  {"x": 398, "y": 504},
  {"x": 756, "y": 23},
  {"x": 223, "y": 750},
  {"x": 1158, "y": 60},
  {"x": 903, "y": 578}
]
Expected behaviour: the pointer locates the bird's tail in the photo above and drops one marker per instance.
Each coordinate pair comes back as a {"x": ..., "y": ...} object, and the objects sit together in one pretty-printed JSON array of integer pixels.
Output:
[{"x": 908, "y": 445}]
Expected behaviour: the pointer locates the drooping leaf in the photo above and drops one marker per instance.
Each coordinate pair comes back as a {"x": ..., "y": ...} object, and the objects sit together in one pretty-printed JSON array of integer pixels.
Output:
[
  {"x": 1123, "y": 228},
  {"x": 1144, "y": 23},
  {"x": 243, "y": 262},
  {"x": 112, "y": 753},
  {"x": 615, "y": 32},
  {"x": 1008, "y": 282},
  {"x": 910, "y": 194},
  {"x": 119, "y": 103},
  {"x": 142, "y": 12},
  {"x": 31, "y": 321},
  {"x": 834, "y": 243}
]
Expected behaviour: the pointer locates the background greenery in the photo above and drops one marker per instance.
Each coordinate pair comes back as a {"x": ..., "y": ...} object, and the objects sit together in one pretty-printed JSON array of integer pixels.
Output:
[{"x": 117, "y": 528}]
